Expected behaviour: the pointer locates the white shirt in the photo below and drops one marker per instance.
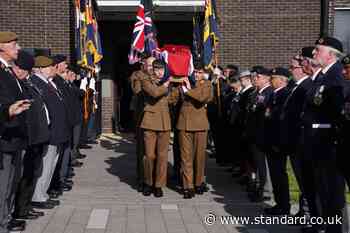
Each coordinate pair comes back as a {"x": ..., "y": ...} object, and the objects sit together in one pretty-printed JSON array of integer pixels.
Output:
[
  {"x": 276, "y": 90},
  {"x": 7, "y": 65},
  {"x": 42, "y": 77},
  {"x": 52, "y": 83},
  {"x": 315, "y": 74},
  {"x": 262, "y": 89},
  {"x": 301, "y": 80},
  {"x": 246, "y": 88},
  {"x": 4, "y": 62},
  {"x": 324, "y": 70}
]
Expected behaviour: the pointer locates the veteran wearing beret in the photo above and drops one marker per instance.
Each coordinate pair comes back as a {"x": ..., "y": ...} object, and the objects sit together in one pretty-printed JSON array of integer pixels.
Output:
[
  {"x": 59, "y": 131},
  {"x": 13, "y": 132},
  {"x": 38, "y": 137},
  {"x": 276, "y": 157},
  {"x": 322, "y": 113}
]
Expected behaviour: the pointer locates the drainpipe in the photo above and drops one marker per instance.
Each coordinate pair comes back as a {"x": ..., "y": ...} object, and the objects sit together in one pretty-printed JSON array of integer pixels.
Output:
[{"x": 324, "y": 18}]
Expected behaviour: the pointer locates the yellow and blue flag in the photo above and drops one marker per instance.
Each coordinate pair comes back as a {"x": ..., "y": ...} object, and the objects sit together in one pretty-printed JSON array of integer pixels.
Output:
[{"x": 210, "y": 33}]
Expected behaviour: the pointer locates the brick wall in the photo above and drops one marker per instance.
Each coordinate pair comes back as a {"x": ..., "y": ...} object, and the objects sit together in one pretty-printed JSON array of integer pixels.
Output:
[
  {"x": 266, "y": 32},
  {"x": 39, "y": 23}
]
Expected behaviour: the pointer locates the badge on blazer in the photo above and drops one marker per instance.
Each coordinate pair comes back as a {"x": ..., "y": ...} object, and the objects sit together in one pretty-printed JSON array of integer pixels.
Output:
[
  {"x": 318, "y": 98},
  {"x": 260, "y": 99},
  {"x": 268, "y": 113}
]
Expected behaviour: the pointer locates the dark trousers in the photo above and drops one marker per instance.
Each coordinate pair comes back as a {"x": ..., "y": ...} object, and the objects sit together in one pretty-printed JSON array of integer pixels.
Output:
[
  {"x": 278, "y": 171},
  {"x": 9, "y": 177},
  {"x": 75, "y": 140},
  {"x": 32, "y": 169},
  {"x": 56, "y": 178},
  {"x": 259, "y": 159},
  {"x": 296, "y": 161}
]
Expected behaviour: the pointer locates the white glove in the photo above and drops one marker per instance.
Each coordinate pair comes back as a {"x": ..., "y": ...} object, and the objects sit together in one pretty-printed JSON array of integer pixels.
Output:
[
  {"x": 83, "y": 84},
  {"x": 92, "y": 84}
]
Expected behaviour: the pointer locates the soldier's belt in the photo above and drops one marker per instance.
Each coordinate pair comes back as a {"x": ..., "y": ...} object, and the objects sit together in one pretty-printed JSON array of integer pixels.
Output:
[{"x": 321, "y": 126}]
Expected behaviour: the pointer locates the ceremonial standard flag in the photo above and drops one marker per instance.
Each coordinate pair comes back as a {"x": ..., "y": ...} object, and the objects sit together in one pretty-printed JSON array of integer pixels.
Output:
[
  {"x": 197, "y": 38},
  {"x": 210, "y": 33},
  {"x": 144, "y": 33},
  {"x": 88, "y": 44}
]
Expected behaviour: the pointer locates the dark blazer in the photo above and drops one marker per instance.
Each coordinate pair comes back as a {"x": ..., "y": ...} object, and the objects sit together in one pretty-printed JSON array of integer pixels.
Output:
[
  {"x": 324, "y": 104},
  {"x": 58, "y": 119},
  {"x": 77, "y": 102},
  {"x": 37, "y": 122},
  {"x": 244, "y": 100},
  {"x": 256, "y": 116},
  {"x": 13, "y": 132},
  {"x": 272, "y": 115},
  {"x": 67, "y": 99},
  {"x": 290, "y": 120}
]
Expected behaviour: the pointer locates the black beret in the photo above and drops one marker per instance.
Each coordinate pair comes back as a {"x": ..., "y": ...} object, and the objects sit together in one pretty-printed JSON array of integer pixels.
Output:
[
  {"x": 261, "y": 70},
  {"x": 57, "y": 59},
  {"x": 330, "y": 42},
  {"x": 346, "y": 60},
  {"x": 25, "y": 61},
  {"x": 232, "y": 67},
  {"x": 307, "y": 51},
  {"x": 281, "y": 71}
]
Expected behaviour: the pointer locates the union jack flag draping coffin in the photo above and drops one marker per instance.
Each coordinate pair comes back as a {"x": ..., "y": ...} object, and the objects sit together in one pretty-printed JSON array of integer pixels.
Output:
[{"x": 144, "y": 33}]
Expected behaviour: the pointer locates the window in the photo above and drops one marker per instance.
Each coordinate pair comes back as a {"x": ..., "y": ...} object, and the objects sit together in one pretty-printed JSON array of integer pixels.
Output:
[{"x": 342, "y": 27}]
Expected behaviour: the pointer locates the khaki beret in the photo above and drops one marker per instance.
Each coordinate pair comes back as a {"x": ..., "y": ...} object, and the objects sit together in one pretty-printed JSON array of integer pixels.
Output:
[
  {"x": 6, "y": 37},
  {"x": 42, "y": 62}
]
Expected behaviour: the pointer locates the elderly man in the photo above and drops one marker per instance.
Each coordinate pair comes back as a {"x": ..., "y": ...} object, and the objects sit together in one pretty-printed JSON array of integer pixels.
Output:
[
  {"x": 13, "y": 132},
  {"x": 38, "y": 137},
  {"x": 256, "y": 129},
  {"x": 277, "y": 158},
  {"x": 42, "y": 78},
  {"x": 322, "y": 112}
]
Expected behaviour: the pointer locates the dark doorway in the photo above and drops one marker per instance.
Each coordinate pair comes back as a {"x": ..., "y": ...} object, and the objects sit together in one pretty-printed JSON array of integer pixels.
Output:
[{"x": 116, "y": 38}]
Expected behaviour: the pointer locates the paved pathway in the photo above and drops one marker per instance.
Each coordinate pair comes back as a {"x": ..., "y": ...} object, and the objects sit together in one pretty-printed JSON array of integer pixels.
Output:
[{"x": 104, "y": 200}]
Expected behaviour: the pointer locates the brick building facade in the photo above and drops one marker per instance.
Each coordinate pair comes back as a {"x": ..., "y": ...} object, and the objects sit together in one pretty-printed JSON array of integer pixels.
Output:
[{"x": 265, "y": 32}]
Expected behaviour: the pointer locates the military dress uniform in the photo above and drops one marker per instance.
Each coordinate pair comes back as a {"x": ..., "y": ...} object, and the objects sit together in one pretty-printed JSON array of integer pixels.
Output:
[
  {"x": 193, "y": 128},
  {"x": 156, "y": 125},
  {"x": 136, "y": 80}
]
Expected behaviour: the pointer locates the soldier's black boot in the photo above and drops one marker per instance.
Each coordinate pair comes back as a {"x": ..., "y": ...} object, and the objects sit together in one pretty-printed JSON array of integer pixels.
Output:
[{"x": 158, "y": 192}]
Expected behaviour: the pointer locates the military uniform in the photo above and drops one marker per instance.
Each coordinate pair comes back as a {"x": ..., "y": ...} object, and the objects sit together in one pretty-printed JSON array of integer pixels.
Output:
[
  {"x": 136, "y": 79},
  {"x": 193, "y": 126},
  {"x": 156, "y": 125}
]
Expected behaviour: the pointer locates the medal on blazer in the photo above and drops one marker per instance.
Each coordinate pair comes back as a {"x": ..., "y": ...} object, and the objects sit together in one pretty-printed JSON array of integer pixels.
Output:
[
  {"x": 318, "y": 98},
  {"x": 268, "y": 113}
]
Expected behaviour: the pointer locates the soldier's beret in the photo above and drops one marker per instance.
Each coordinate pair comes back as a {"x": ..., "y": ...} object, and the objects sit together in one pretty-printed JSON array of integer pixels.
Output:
[
  {"x": 261, "y": 70},
  {"x": 6, "y": 37},
  {"x": 346, "y": 60},
  {"x": 25, "y": 60},
  {"x": 58, "y": 59},
  {"x": 43, "y": 61},
  {"x": 281, "y": 71},
  {"x": 330, "y": 42},
  {"x": 307, "y": 51}
]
